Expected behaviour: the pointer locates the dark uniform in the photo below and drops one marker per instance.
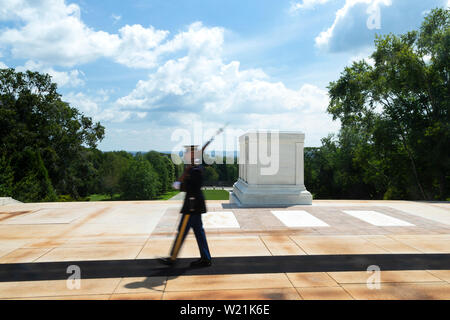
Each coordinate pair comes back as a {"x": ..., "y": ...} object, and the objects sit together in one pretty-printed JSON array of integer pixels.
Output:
[
  {"x": 193, "y": 207},
  {"x": 194, "y": 203}
]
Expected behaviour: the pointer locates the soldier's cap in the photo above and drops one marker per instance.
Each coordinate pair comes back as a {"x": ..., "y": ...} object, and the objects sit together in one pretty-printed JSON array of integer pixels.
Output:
[
  {"x": 191, "y": 147},
  {"x": 195, "y": 152}
]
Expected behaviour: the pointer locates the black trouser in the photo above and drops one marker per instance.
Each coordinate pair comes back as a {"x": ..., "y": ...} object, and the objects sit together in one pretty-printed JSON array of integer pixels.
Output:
[{"x": 188, "y": 221}]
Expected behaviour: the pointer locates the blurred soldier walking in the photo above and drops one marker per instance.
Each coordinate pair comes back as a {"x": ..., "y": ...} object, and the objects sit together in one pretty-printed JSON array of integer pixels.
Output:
[{"x": 193, "y": 207}]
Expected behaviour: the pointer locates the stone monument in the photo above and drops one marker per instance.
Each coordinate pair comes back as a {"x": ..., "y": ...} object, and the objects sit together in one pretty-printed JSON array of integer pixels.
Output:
[{"x": 271, "y": 170}]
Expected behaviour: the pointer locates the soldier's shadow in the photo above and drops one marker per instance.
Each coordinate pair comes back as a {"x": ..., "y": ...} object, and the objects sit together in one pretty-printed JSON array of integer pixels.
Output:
[{"x": 157, "y": 280}]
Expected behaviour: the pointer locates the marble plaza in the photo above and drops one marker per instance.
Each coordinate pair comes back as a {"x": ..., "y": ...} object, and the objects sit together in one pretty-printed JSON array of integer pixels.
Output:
[{"x": 320, "y": 251}]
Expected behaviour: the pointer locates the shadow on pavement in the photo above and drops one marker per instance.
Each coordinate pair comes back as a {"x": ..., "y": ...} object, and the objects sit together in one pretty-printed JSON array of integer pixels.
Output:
[{"x": 222, "y": 265}]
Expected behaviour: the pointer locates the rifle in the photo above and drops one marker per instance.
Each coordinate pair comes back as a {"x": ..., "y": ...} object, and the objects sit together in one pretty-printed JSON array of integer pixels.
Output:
[
  {"x": 213, "y": 137},
  {"x": 186, "y": 170}
]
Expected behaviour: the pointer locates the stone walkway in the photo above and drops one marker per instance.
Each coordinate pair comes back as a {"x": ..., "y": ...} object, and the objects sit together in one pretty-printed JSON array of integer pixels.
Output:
[
  {"x": 302, "y": 252},
  {"x": 7, "y": 200},
  {"x": 178, "y": 196}
]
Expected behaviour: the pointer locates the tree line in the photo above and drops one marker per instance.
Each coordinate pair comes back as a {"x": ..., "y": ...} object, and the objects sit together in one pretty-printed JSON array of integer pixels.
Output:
[
  {"x": 393, "y": 142},
  {"x": 48, "y": 149}
]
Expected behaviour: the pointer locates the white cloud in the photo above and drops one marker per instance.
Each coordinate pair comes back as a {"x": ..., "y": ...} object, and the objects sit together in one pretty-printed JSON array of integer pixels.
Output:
[
  {"x": 426, "y": 58},
  {"x": 70, "y": 78},
  {"x": 305, "y": 4},
  {"x": 98, "y": 106},
  {"x": 136, "y": 42},
  {"x": 195, "y": 84},
  {"x": 61, "y": 78},
  {"x": 323, "y": 39},
  {"x": 85, "y": 104},
  {"x": 197, "y": 40},
  {"x": 51, "y": 31},
  {"x": 200, "y": 86},
  {"x": 189, "y": 79},
  {"x": 3, "y": 66},
  {"x": 365, "y": 55}
]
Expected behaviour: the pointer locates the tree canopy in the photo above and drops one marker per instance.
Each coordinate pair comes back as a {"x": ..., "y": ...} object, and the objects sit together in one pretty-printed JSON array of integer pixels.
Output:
[
  {"x": 395, "y": 114},
  {"x": 44, "y": 141}
]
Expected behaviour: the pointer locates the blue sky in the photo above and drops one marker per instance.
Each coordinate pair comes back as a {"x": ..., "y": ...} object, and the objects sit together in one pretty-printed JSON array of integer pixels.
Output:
[{"x": 147, "y": 70}]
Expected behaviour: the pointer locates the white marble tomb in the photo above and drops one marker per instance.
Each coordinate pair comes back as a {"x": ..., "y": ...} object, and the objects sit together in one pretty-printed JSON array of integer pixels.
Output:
[{"x": 271, "y": 170}]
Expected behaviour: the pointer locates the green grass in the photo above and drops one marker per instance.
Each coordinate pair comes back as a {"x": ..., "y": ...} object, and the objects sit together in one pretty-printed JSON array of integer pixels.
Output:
[
  {"x": 216, "y": 194},
  {"x": 209, "y": 195},
  {"x": 168, "y": 195},
  {"x": 103, "y": 197}
]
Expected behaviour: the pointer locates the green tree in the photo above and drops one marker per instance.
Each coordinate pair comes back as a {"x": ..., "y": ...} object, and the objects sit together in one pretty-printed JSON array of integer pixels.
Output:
[
  {"x": 35, "y": 186},
  {"x": 6, "y": 177},
  {"x": 170, "y": 171},
  {"x": 232, "y": 171},
  {"x": 163, "y": 168},
  {"x": 400, "y": 107},
  {"x": 112, "y": 168},
  {"x": 139, "y": 181},
  {"x": 32, "y": 115},
  {"x": 211, "y": 175}
]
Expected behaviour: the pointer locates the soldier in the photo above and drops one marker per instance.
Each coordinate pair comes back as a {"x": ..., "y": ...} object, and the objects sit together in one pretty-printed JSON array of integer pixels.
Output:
[{"x": 193, "y": 207}]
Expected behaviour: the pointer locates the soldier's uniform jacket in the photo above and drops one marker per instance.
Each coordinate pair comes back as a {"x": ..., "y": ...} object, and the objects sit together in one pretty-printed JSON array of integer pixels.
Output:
[{"x": 194, "y": 202}]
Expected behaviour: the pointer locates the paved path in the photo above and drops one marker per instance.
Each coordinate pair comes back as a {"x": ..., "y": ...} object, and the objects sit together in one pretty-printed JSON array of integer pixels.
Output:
[
  {"x": 302, "y": 252},
  {"x": 7, "y": 200},
  {"x": 178, "y": 196}
]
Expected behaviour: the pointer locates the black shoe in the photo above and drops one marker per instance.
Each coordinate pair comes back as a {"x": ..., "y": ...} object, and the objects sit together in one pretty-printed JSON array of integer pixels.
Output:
[
  {"x": 166, "y": 261},
  {"x": 202, "y": 262}
]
